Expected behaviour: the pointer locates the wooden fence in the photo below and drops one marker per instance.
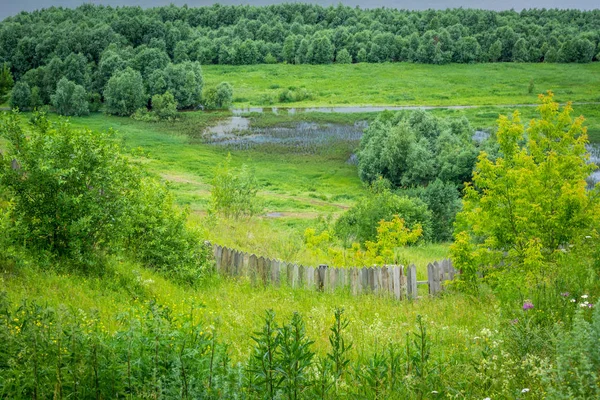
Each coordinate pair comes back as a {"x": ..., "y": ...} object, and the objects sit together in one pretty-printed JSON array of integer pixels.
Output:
[{"x": 395, "y": 280}]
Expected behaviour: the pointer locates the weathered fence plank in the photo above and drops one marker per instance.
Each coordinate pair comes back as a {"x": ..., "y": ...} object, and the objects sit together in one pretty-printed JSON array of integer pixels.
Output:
[{"x": 411, "y": 286}]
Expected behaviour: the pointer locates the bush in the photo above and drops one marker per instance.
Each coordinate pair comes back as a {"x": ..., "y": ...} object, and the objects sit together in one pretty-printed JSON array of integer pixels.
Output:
[
  {"x": 125, "y": 93},
  {"x": 164, "y": 106},
  {"x": 20, "y": 96},
  {"x": 70, "y": 99},
  {"x": 70, "y": 188},
  {"x": 159, "y": 238},
  {"x": 219, "y": 97},
  {"x": 75, "y": 196},
  {"x": 442, "y": 199},
  {"x": 94, "y": 102},
  {"x": 360, "y": 222},
  {"x": 234, "y": 192},
  {"x": 292, "y": 95}
]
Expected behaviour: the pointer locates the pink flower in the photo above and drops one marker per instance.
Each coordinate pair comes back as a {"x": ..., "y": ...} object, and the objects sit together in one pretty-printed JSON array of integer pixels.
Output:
[{"x": 527, "y": 305}]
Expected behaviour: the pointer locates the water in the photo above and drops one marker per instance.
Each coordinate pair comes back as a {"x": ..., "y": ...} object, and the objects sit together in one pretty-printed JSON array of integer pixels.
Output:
[{"x": 305, "y": 137}]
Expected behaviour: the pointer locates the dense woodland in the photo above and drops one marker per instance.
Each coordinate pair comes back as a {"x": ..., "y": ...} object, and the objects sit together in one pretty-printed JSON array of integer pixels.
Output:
[{"x": 161, "y": 49}]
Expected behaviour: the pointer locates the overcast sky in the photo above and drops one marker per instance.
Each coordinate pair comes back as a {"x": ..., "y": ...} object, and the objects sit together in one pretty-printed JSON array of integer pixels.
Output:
[{"x": 12, "y": 7}]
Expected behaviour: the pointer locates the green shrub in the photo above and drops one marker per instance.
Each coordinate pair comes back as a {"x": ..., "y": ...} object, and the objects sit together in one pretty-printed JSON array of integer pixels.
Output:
[
  {"x": 360, "y": 222},
  {"x": 218, "y": 97},
  {"x": 74, "y": 195},
  {"x": 233, "y": 192},
  {"x": 20, "y": 96},
  {"x": 158, "y": 235},
  {"x": 164, "y": 106}
]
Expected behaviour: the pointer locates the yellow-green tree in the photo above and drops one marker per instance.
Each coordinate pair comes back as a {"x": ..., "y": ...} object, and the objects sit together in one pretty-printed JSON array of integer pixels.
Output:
[{"x": 529, "y": 203}]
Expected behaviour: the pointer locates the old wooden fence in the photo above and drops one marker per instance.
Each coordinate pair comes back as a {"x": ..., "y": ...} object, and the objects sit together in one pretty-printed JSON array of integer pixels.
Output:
[{"x": 395, "y": 280}]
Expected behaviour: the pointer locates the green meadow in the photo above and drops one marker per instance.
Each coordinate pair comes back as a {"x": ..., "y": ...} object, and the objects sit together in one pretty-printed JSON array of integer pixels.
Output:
[{"x": 409, "y": 84}]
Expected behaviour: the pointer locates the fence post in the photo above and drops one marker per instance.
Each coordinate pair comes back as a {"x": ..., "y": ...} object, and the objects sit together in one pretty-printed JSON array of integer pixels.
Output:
[
  {"x": 253, "y": 268},
  {"x": 396, "y": 282},
  {"x": 309, "y": 273},
  {"x": 321, "y": 276},
  {"x": 412, "y": 281}
]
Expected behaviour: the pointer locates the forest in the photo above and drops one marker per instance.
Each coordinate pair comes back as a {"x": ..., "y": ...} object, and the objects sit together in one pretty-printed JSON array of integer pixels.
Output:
[{"x": 127, "y": 55}]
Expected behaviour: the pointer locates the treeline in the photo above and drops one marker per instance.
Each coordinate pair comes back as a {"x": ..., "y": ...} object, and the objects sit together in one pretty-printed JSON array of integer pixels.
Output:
[
  {"x": 137, "y": 54},
  {"x": 299, "y": 33}
]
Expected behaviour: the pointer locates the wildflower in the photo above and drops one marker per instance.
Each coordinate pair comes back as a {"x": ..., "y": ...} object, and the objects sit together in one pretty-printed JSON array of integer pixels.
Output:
[
  {"x": 525, "y": 390},
  {"x": 583, "y": 305},
  {"x": 487, "y": 398},
  {"x": 434, "y": 392},
  {"x": 573, "y": 300},
  {"x": 527, "y": 305},
  {"x": 565, "y": 294},
  {"x": 590, "y": 305},
  {"x": 514, "y": 321},
  {"x": 588, "y": 237},
  {"x": 585, "y": 296}
]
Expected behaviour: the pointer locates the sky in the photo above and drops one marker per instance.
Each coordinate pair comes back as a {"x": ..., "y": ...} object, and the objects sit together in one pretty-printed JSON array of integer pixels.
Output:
[{"x": 12, "y": 7}]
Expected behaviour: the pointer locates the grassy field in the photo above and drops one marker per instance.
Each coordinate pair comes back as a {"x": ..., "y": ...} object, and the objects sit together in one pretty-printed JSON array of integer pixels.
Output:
[{"x": 409, "y": 84}]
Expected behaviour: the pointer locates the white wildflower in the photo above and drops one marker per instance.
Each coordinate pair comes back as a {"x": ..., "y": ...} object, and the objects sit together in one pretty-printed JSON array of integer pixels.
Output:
[
  {"x": 525, "y": 390},
  {"x": 585, "y": 296},
  {"x": 573, "y": 300}
]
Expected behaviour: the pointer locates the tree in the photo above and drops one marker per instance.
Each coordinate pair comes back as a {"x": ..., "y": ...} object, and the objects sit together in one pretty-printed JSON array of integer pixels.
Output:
[
  {"x": 185, "y": 82},
  {"x": 35, "y": 101},
  {"x": 322, "y": 50},
  {"x": 520, "y": 52},
  {"x": 343, "y": 57},
  {"x": 70, "y": 99},
  {"x": 6, "y": 81},
  {"x": 125, "y": 93},
  {"x": 495, "y": 51},
  {"x": 164, "y": 106},
  {"x": 530, "y": 203},
  {"x": 20, "y": 96}
]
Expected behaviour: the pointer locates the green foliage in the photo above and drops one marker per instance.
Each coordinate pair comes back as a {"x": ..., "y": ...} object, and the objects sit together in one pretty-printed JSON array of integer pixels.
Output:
[
  {"x": 360, "y": 222},
  {"x": 184, "y": 81},
  {"x": 158, "y": 236},
  {"x": 125, "y": 93},
  {"x": 6, "y": 81},
  {"x": 415, "y": 149},
  {"x": 70, "y": 99},
  {"x": 233, "y": 193},
  {"x": 442, "y": 199},
  {"x": 20, "y": 97},
  {"x": 70, "y": 188},
  {"x": 218, "y": 97},
  {"x": 293, "y": 95},
  {"x": 530, "y": 202},
  {"x": 35, "y": 101},
  {"x": 164, "y": 106},
  {"x": 295, "y": 358},
  {"x": 343, "y": 57},
  {"x": 74, "y": 195},
  {"x": 575, "y": 375}
]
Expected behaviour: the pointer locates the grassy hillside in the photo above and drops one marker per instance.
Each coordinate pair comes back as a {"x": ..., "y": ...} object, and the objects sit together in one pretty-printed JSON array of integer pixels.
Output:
[{"x": 409, "y": 84}]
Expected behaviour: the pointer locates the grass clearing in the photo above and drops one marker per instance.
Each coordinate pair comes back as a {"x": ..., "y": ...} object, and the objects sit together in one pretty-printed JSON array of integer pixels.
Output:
[{"x": 408, "y": 84}]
